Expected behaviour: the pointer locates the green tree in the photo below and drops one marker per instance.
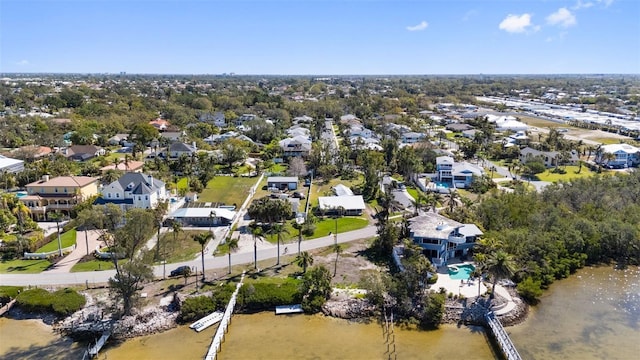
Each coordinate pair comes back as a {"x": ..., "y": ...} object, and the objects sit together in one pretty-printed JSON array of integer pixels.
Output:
[
  {"x": 128, "y": 281},
  {"x": 203, "y": 239},
  {"x": 316, "y": 288},
  {"x": 304, "y": 260},
  {"x": 499, "y": 265}
]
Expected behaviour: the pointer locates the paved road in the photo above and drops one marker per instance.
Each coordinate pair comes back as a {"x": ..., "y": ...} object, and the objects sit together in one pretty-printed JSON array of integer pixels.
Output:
[{"x": 221, "y": 262}]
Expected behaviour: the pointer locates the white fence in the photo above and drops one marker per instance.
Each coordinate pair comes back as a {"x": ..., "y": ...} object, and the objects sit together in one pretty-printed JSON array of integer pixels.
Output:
[{"x": 46, "y": 255}]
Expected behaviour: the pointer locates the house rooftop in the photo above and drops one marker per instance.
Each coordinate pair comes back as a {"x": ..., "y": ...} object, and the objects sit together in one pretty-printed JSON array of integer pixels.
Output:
[
  {"x": 432, "y": 225},
  {"x": 72, "y": 181}
]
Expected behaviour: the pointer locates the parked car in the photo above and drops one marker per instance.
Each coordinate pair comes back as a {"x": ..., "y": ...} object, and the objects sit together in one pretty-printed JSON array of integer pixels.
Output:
[
  {"x": 298, "y": 195},
  {"x": 181, "y": 271}
]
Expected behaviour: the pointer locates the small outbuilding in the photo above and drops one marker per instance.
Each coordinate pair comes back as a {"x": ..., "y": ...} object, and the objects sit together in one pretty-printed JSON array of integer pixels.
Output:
[{"x": 282, "y": 182}]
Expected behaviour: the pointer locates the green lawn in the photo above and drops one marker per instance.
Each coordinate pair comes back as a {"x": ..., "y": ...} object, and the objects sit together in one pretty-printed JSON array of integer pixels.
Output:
[
  {"x": 606, "y": 140},
  {"x": 182, "y": 183},
  {"x": 183, "y": 248},
  {"x": 93, "y": 265},
  {"x": 278, "y": 168},
  {"x": 23, "y": 266},
  {"x": 542, "y": 123},
  {"x": 346, "y": 223},
  {"x": 413, "y": 192},
  {"x": 320, "y": 188},
  {"x": 571, "y": 173},
  {"x": 67, "y": 239},
  {"x": 227, "y": 190}
]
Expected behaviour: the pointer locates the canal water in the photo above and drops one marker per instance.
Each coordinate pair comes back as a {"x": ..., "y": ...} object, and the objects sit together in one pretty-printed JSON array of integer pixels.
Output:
[{"x": 595, "y": 314}]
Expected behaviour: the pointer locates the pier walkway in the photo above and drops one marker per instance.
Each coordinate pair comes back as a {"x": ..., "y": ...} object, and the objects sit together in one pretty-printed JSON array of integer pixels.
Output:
[
  {"x": 7, "y": 307},
  {"x": 502, "y": 338},
  {"x": 224, "y": 323}
]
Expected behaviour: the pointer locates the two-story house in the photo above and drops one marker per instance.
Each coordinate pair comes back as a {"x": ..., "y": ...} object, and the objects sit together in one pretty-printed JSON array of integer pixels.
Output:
[
  {"x": 442, "y": 238},
  {"x": 58, "y": 194},
  {"x": 458, "y": 174},
  {"x": 134, "y": 190},
  {"x": 295, "y": 146},
  {"x": 625, "y": 155},
  {"x": 217, "y": 119},
  {"x": 412, "y": 137}
]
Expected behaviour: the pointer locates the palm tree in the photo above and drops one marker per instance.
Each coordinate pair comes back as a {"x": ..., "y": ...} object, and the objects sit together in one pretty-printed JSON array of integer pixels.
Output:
[
  {"x": 298, "y": 226},
  {"x": 338, "y": 250},
  {"x": 256, "y": 232},
  {"x": 233, "y": 246},
  {"x": 21, "y": 212},
  {"x": 304, "y": 260},
  {"x": 452, "y": 200},
  {"x": 278, "y": 229},
  {"x": 499, "y": 265},
  {"x": 202, "y": 239}
]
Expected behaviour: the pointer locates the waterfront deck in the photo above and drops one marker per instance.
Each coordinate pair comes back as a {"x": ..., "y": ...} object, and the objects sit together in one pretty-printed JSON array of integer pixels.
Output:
[
  {"x": 502, "y": 338},
  {"x": 222, "y": 328},
  {"x": 95, "y": 349}
]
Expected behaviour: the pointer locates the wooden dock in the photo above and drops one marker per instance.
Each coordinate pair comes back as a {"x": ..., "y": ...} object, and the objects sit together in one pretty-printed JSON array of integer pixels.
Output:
[
  {"x": 95, "y": 349},
  {"x": 222, "y": 328},
  {"x": 7, "y": 307},
  {"x": 502, "y": 338}
]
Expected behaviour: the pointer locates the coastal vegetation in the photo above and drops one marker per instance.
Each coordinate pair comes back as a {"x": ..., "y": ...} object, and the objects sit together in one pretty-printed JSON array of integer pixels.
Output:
[
  {"x": 62, "y": 302},
  {"x": 569, "y": 225}
]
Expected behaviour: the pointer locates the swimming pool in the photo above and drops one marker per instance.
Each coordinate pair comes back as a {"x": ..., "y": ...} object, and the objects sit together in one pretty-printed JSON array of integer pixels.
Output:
[
  {"x": 442, "y": 185},
  {"x": 461, "y": 272},
  {"x": 20, "y": 194}
]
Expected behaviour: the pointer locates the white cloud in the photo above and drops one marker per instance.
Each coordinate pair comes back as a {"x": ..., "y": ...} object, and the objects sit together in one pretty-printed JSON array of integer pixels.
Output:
[
  {"x": 23, "y": 62},
  {"x": 563, "y": 17},
  {"x": 582, "y": 5},
  {"x": 423, "y": 25},
  {"x": 516, "y": 23},
  {"x": 606, "y": 3}
]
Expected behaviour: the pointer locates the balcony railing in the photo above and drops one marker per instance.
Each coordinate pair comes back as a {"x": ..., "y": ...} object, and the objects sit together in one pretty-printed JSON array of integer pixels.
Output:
[
  {"x": 61, "y": 206},
  {"x": 457, "y": 239}
]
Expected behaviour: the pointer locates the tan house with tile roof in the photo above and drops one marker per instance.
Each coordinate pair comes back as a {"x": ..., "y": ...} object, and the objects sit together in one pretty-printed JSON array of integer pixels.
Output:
[{"x": 61, "y": 194}]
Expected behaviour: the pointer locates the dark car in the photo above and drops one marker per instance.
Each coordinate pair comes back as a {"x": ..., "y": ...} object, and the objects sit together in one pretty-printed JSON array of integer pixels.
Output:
[
  {"x": 181, "y": 271},
  {"x": 298, "y": 195}
]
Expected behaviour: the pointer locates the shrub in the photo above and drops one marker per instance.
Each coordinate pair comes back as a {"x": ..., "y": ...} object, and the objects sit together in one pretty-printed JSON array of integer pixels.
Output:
[
  {"x": 433, "y": 305},
  {"x": 222, "y": 295},
  {"x": 62, "y": 302},
  {"x": 433, "y": 279},
  {"x": 266, "y": 296},
  {"x": 67, "y": 301},
  {"x": 196, "y": 307},
  {"x": 9, "y": 292},
  {"x": 530, "y": 290}
]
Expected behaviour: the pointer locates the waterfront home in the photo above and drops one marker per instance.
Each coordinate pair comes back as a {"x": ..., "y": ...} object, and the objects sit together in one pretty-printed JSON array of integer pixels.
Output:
[
  {"x": 134, "y": 190},
  {"x": 625, "y": 155},
  {"x": 61, "y": 194},
  {"x": 442, "y": 238},
  {"x": 459, "y": 174}
]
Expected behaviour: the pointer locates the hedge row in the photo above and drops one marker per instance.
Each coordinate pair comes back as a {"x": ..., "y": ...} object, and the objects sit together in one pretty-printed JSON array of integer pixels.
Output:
[
  {"x": 266, "y": 296},
  {"x": 62, "y": 302}
]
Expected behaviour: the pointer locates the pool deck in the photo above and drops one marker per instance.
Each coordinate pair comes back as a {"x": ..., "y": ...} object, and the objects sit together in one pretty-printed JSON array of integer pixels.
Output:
[{"x": 467, "y": 288}]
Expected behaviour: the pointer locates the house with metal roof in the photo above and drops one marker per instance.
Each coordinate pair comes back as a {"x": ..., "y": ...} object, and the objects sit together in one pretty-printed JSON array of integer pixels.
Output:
[
  {"x": 625, "y": 155},
  {"x": 346, "y": 205},
  {"x": 442, "y": 238}
]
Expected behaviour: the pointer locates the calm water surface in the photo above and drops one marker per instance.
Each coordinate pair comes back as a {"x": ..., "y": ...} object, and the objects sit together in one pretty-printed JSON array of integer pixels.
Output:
[{"x": 595, "y": 314}]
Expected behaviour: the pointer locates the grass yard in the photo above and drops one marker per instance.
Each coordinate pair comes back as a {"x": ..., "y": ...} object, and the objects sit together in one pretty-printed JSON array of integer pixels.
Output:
[
  {"x": 23, "y": 266},
  {"x": 93, "y": 265},
  {"x": 413, "y": 192},
  {"x": 606, "y": 140},
  {"x": 278, "y": 168},
  {"x": 67, "y": 239},
  {"x": 227, "y": 190},
  {"x": 323, "y": 228},
  {"x": 320, "y": 188},
  {"x": 571, "y": 173},
  {"x": 182, "y": 248},
  {"x": 542, "y": 123}
]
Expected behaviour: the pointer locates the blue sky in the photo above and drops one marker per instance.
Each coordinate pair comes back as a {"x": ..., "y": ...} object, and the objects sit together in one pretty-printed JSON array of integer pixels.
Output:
[{"x": 321, "y": 36}]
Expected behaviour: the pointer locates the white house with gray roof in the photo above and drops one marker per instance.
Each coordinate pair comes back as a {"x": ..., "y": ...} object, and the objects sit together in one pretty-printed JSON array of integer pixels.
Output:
[
  {"x": 134, "y": 190},
  {"x": 442, "y": 238}
]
